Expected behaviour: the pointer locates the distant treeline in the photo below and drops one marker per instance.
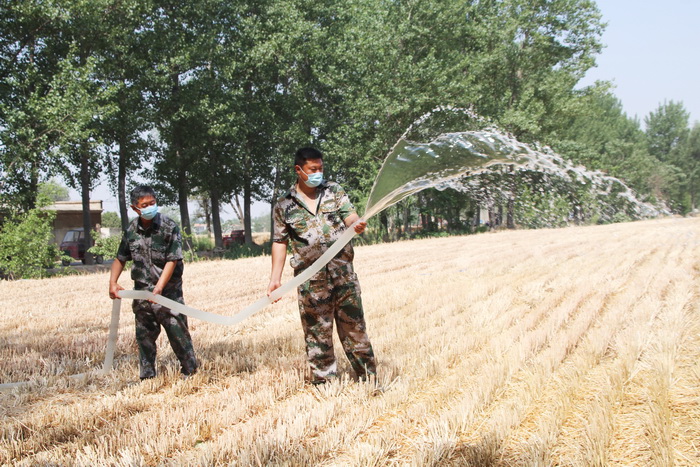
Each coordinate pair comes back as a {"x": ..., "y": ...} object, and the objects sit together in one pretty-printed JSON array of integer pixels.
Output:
[{"x": 209, "y": 99}]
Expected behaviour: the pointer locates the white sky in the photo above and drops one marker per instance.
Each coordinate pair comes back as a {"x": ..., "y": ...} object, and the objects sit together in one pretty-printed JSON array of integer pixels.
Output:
[{"x": 651, "y": 56}]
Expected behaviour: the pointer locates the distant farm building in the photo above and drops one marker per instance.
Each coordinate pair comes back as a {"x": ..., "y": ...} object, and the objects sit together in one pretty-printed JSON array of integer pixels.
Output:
[{"x": 69, "y": 216}]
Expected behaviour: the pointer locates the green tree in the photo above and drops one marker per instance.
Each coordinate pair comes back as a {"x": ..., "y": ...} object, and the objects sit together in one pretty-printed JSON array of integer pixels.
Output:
[
  {"x": 261, "y": 223},
  {"x": 527, "y": 58},
  {"x": 596, "y": 133},
  {"x": 31, "y": 52},
  {"x": 26, "y": 247},
  {"x": 211, "y": 98},
  {"x": 50, "y": 97},
  {"x": 106, "y": 247},
  {"x": 79, "y": 145},
  {"x": 53, "y": 191},
  {"x": 667, "y": 131},
  {"x": 111, "y": 220},
  {"x": 667, "y": 136},
  {"x": 178, "y": 39},
  {"x": 692, "y": 167},
  {"x": 123, "y": 56}
]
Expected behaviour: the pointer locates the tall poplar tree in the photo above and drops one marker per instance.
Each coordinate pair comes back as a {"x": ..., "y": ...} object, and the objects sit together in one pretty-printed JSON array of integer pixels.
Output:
[{"x": 31, "y": 50}]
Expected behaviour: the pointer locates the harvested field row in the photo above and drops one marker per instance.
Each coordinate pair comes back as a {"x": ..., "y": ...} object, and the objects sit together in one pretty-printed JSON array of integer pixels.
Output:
[{"x": 575, "y": 346}]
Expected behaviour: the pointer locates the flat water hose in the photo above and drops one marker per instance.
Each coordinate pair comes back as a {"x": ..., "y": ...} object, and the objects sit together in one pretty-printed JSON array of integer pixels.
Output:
[
  {"x": 113, "y": 335},
  {"x": 176, "y": 307}
]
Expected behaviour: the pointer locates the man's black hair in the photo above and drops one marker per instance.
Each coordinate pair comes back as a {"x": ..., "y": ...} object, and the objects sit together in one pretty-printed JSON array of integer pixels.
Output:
[
  {"x": 305, "y": 154},
  {"x": 139, "y": 192}
]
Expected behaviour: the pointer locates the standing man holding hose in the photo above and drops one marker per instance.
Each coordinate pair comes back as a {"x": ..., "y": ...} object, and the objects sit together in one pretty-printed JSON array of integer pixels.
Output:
[
  {"x": 154, "y": 243},
  {"x": 313, "y": 214}
]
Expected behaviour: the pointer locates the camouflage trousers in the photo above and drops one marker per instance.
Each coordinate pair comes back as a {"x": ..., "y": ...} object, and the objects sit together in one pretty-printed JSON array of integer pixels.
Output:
[
  {"x": 334, "y": 296},
  {"x": 149, "y": 318}
]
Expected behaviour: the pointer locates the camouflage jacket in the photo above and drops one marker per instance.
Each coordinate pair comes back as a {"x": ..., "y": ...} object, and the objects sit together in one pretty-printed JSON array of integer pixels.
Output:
[
  {"x": 310, "y": 234},
  {"x": 150, "y": 249}
]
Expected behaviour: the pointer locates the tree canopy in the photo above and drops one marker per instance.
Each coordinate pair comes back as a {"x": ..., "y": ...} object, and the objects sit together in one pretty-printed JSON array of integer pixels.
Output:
[{"x": 210, "y": 98}]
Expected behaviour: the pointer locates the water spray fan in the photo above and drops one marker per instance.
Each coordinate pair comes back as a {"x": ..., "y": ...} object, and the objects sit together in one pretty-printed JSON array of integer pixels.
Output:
[{"x": 428, "y": 155}]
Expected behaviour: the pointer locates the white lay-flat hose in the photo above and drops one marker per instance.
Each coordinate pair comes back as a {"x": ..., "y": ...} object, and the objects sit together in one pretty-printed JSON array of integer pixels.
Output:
[
  {"x": 255, "y": 306},
  {"x": 113, "y": 335},
  {"x": 251, "y": 309}
]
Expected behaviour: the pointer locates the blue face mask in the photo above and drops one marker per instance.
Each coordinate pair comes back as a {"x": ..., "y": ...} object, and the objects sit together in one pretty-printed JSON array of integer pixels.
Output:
[
  {"x": 314, "y": 180},
  {"x": 149, "y": 212}
]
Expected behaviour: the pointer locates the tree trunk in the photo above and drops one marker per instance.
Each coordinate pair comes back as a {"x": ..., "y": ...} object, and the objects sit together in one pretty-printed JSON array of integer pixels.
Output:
[
  {"x": 121, "y": 184},
  {"x": 85, "y": 195},
  {"x": 246, "y": 211},
  {"x": 693, "y": 195},
  {"x": 273, "y": 201},
  {"x": 456, "y": 221},
  {"x": 216, "y": 219},
  {"x": 578, "y": 215},
  {"x": 492, "y": 218},
  {"x": 423, "y": 216},
  {"x": 182, "y": 189},
  {"x": 384, "y": 221},
  {"x": 33, "y": 185},
  {"x": 510, "y": 215},
  {"x": 237, "y": 210},
  {"x": 34, "y": 177},
  {"x": 510, "y": 218},
  {"x": 477, "y": 215},
  {"x": 207, "y": 213},
  {"x": 178, "y": 153},
  {"x": 391, "y": 227},
  {"x": 406, "y": 218}
]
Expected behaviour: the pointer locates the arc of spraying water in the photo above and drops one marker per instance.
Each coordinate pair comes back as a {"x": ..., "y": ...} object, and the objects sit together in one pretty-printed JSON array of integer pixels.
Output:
[{"x": 476, "y": 152}]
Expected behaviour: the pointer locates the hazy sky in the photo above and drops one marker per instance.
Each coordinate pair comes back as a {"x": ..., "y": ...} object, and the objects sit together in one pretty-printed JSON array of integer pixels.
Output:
[{"x": 651, "y": 54}]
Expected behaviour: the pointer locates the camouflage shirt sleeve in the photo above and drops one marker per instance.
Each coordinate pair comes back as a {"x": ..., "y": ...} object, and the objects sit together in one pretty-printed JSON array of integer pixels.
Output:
[
  {"x": 281, "y": 232},
  {"x": 174, "y": 248},
  {"x": 345, "y": 206},
  {"x": 123, "y": 252}
]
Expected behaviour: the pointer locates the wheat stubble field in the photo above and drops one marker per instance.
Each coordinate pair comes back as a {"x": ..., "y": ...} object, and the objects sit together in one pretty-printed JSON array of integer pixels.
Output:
[{"x": 576, "y": 346}]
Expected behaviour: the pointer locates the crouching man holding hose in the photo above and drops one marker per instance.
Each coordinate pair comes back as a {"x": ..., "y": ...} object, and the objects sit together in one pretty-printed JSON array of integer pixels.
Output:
[
  {"x": 313, "y": 214},
  {"x": 154, "y": 243}
]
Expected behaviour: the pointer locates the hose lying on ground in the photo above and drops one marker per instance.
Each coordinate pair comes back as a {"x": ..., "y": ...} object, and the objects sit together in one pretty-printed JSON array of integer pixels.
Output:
[{"x": 204, "y": 315}]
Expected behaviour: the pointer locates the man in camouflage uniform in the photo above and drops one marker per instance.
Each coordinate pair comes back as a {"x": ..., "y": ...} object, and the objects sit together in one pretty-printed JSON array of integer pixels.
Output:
[
  {"x": 313, "y": 214},
  {"x": 154, "y": 243}
]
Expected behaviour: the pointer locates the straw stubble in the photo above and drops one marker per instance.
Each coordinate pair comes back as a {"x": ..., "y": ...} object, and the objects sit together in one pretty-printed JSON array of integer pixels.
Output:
[{"x": 576, "y": 346}]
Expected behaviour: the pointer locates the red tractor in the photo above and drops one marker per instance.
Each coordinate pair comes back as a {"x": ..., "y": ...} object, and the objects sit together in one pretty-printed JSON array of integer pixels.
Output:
[{"x": 237, "y": 236}]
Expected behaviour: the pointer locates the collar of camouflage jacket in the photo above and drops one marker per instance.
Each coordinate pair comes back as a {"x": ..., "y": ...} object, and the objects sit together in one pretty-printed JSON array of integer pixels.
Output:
[
  {"x": 293, "y": 193},
  {"x": 155, "y": 224}
]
